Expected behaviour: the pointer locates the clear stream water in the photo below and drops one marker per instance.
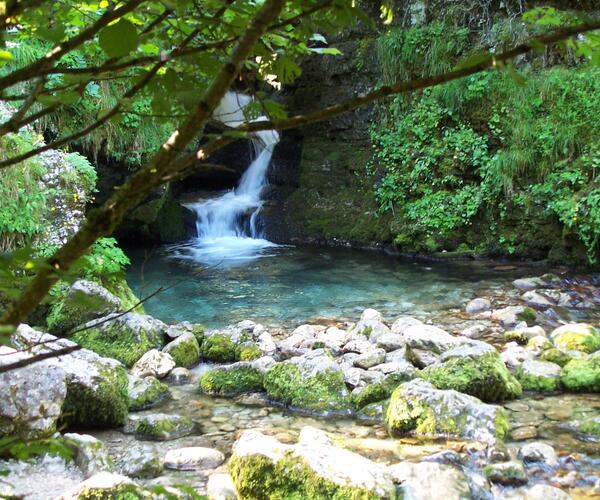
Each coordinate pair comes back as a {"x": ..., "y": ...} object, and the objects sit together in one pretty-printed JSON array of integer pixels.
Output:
[{"x": 291, "y": 285}]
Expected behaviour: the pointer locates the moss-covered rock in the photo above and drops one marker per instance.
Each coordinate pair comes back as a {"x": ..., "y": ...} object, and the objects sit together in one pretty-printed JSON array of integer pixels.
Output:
[
  {"x": 219, "y": 348},
  {"x": 232, "y": 380},
  {"x": 576, "y": 337},
  {"x": 249, "y": 352},
  {"x": 418, "y": 407},
  {"x": 485, "y": 377},
  {"x": 82, "y": 302},
  {"x": 159, "y": 426},
  {"x": 582, "y": 374},
  {"x": 125, "y": 338},
  {"x": 262, "y": 467},
  {"x": 96, "y": 387},
  {"x": 118, "y": 286},
  {"x": 100, "y": 402},
  {"x": 378, "y": 392},
  {"x": 185, "y": 350},
  {"x": 322, "y": 392},
  {"x": 106, "y": 486},
  {"x": 556, "y": 356},
  {"x": 539, "y": 376},
  {"x": 146, "y": 392},
  {"x": 590, "y": 427},
  {"x": 506, "y": 473}
]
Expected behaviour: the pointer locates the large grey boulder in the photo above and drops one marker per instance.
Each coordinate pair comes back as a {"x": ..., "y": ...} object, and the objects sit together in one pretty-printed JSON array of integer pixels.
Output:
[
  {"x": 430, "y": 338},
  {"x": 154, "y": 364},
  {"x": 327, "y": 470},
  {"x": 125, "y": 337},
  {"x": 91, "y": 456},
  {"x": 418, "y": 407},
  {"x": 31, "y": 397},
  {"x": 96, "y": 386},
  {"x": 84, "y": 301},
  {"x": 426, "y": 480}
]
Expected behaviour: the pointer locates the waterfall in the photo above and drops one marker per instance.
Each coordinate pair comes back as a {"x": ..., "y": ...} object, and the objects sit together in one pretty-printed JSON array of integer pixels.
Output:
[{"x": 227, "y": 225}]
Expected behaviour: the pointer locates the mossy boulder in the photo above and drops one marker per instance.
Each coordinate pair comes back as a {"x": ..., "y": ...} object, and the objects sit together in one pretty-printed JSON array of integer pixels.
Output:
[
  {"x": 506, "y": 473},
  {"x": 379, "y": 391},
  {"x": 96, "y": 394},
  {"x": 262, "y": 467},
  {"x": 219, "y": 348},
  {"x": 576, "y": 337},
  {"x": 556, "y": 356},
  {"x": 91, "y": 454},
  {"x": 159, "y": 426},
  {"x": 320, "y": 390},
  {"x": 106, "y": 486},
  {"x": 98, "y": 398},
  {"x": 118, "y": 286},
  {"x": 484, "y": 376},
  {"x": 582, "y": 374},
  {"x": 146, "y": 392},
  {"x": 83, "y": 301},
  {"x": 590, "y": 428},
  {"x": 232, "y": 380},
  {"x": 539, "y": 376},
  {"x": 185, "y": 350},
  {"x": 249, "y": 352},
  {"x": 123, "y": 337},
  {"x": 418, "y": 407}
]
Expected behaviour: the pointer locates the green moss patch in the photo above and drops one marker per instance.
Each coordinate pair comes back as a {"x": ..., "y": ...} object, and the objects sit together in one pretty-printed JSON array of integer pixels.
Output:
[
  {"x": 290, "y": 478},
  {"x": 104, "y": 405},
  {"x": 325, "y": 391},
  {"x": 229, "y": 381},
  {"x": 219, "y": 348},
  {"x": 582, "y": 374},
  {"x": 485, "y": 377}
]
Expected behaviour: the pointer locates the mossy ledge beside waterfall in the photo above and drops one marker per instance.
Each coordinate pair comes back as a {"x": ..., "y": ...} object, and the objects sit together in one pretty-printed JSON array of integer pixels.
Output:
[{"x": 227, "y": 225}]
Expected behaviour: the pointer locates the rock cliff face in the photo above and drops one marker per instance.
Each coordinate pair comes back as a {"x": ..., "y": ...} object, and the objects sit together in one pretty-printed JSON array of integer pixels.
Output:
[{"x": 321, "y": 196}]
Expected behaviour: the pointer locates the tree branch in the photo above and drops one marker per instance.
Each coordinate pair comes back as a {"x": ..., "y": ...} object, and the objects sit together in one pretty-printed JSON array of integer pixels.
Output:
[
  {"x": 102, "y": 221},
  {"x": 35, "y": 68}
]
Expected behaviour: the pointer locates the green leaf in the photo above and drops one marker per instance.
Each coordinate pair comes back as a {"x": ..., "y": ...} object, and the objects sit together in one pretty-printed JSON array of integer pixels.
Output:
[
  {"x": 119, "y": 39},
  {"x": 5, "y": 55},
  {"x": 332, "y": 51}
]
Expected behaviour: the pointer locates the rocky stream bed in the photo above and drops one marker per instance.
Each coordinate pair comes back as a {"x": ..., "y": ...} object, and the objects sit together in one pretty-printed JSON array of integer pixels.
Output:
[{"x": 498, "y": 399}]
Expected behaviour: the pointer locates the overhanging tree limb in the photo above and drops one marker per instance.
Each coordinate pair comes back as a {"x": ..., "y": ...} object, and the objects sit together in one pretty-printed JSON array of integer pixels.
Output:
[
  {"x": 32, "y": 70},
  {"x": 102, "y": 221},
  {"x": 169, "y": 163}
]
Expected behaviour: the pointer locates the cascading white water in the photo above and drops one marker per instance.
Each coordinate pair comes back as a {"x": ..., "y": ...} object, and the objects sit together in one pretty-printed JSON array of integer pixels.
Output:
[{"x": 227, "y": 225}]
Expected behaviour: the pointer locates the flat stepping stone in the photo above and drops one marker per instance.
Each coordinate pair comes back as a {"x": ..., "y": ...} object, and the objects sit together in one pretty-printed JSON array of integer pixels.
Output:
[{"x": 193, "y": 458}]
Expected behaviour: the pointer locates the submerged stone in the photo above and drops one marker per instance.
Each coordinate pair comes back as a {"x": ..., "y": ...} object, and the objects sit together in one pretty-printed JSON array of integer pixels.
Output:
[
  {"x": 484, "y": 376},
  {"x": 262, "y": 467},
  {"x": 418, "y": 407},
  {"x": 539, "y": 452},
  {"x": 427, "y": 480},
  {"x": 159, "y": 426}
]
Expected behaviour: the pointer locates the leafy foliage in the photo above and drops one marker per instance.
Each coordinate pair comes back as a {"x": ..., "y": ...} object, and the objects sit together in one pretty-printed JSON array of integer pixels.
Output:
[{"x": 489, "y": 151}]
